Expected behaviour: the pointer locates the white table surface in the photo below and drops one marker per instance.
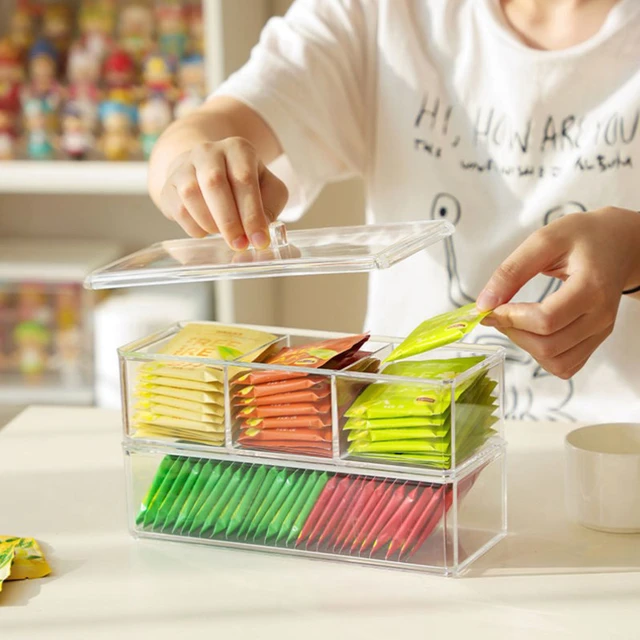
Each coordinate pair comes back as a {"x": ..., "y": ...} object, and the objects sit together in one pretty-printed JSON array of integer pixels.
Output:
[{"x": 62, "y": 481}]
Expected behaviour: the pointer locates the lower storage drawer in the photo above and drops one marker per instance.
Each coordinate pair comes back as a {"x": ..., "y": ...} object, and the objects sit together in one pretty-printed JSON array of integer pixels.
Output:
[{"x": 429, "y": 523}]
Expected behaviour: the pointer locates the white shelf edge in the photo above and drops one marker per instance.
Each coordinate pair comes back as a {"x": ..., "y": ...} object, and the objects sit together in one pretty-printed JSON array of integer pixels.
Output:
[{"x": 93, "y": 177}]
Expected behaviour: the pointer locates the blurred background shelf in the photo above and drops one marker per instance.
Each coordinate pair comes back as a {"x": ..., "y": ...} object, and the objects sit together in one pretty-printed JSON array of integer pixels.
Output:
[{"x": 32, "y": 177}]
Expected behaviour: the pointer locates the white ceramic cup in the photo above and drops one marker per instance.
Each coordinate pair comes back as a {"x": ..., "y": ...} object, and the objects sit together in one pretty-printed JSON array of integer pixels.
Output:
[{"x": 602, "y": 477}]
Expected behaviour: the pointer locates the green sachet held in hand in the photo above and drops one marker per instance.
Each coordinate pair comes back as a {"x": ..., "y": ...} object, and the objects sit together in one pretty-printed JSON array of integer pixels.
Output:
[{"x": 439, "y": 331}]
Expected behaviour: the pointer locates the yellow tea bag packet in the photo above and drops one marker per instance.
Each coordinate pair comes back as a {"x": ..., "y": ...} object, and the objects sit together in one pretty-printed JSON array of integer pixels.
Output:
[
  {"x": 178, "y": 423},
  {"x": 183, "y": 371},
  {"x": 204, "y": 437},
  {"x": 157, "y": 392},
  {"x": 7, "y": 555},
  {"x": 29, "y": 561},
  {"x": 213, "y": 342},
  {"x": 201, "y": 408},
  {"x": 177, "y": 383},
  {"x": 173, "y": 412}
]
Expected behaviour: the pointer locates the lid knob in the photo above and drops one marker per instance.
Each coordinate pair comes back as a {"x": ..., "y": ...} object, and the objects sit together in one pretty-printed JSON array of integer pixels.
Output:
[{"x": 278, "y": 233}]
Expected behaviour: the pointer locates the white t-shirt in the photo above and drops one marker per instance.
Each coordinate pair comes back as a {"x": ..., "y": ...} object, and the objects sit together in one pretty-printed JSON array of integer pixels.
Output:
[{"x": 446, "y": 114}]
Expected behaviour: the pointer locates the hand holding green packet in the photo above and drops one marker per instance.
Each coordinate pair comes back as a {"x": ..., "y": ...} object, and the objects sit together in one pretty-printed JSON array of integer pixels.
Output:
[{"x": 439, "y": 331}]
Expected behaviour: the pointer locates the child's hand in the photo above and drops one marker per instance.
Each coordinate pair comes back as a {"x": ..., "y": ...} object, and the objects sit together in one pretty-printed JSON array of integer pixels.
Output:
[
  {"x": 223, "y": 187},
  {"x": 597, "y": 255}
]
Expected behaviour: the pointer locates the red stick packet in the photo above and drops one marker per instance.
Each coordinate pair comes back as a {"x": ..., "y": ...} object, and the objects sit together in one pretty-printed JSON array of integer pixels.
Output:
[
  {"x": 350, "y": 521},
  {"x": 397, "y": 519},
  {"x": 419, "y": 507},
  {"x": 316, "y": 512},
  {"x": 332, "y": 505},
  {"x": 319, "y": 391},
  {"x": 287, "y": 422},
  {"x": 428, "y": 521},
  {"x": 284, "y": 410},
  {"x": 340, "y": 514},
  {"x": 397, "y": 496},
  {"x": 373, "y": 514}
]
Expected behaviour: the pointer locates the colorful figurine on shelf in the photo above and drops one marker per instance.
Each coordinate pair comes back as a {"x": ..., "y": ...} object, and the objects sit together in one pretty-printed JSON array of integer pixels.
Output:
[
  {"x": 56, "y": 28},
  {"x": 21, "y": 28},
  {"x": 135, "y": 30},
  {"x": 96, "y": 21},
  {"x": 117, "y": 141},
  {"x": 119, "y": 77},
  {"x": 83, "y": 73},
  {"x": 154, "y": 117},
  {"x": 32, "y": 303},
  {"x": 11, "y": 76},
  {"x": 196, "y": 29},
  {"x": 42, "y": 74},
  {"x": 68, "y": 340},
  {"x": 157, "y": 75},
  {"x": 172, "y": 30},
  {"x": 191, "y": 82},
  {"x": 76, "y": 140},
  {"x": 37, "y": 124},
  {"x": 8, "y": 134},
  {"x": 32, "y": 340}
]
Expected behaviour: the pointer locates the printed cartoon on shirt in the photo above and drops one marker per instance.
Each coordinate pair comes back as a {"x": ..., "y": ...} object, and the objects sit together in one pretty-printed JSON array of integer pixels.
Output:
[{"x": 531, "y": 392}]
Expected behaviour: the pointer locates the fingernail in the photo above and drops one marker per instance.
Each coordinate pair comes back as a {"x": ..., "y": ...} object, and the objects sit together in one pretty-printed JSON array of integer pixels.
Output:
[
  {"x": 240, "y": 243},
  {"x": 487, "y": 301},
  {"x": 489, "y": 322},
  {"x": 260, "y": 240}
]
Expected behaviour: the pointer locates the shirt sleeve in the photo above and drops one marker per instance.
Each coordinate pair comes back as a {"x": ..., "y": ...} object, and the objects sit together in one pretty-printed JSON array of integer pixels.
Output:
[{"x": 306, "y": 78}]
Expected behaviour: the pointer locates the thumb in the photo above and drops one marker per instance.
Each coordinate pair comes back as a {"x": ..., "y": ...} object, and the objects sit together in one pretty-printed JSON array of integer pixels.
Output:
[
  {"x": 274, "y": 193},
  {"x": 535, "y": 255}
]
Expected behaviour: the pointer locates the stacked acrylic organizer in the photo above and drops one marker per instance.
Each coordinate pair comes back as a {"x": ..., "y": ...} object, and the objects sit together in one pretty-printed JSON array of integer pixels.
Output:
[{"x": 348, "y": 460}]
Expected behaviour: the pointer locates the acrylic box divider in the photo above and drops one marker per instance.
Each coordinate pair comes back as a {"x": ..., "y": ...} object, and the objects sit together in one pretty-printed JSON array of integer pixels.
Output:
[{"x": 468, "y": 425}]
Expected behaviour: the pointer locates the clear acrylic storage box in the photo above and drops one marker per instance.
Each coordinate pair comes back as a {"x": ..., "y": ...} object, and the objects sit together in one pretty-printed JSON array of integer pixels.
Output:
[{"x": 379, "y": 468}]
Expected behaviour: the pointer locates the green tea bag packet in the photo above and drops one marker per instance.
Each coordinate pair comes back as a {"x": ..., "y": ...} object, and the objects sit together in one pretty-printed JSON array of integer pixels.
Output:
[
  {"x": 185, "y": 492},
  {"x": 275, "y": 524},
  {"x": 267, "y": 501},
  {"x": 212, "y": 498},
  {"x": 439, "y": 331},
  {"x": 225, "y": 517},
  {"x": 401, "y": 446},
  {"x": 149, "y": 515},
  {"x": 163, "y": 469},
  {"x": 206, "y": 470},
  {"x": 307, "y": 508},
  {"x": 172, "y": 495},
  {"x": 263, "y": 490},
  {"x": 309, "y": 481},
  {"x": 276, "y": 503},
  {"x": 394, "y": 400},
  {"x": 223, "y": 499},
  {"x": 421, "y": 422},
  {"x": 240, "y": 513},
  {"x": 381, "y": 435}
]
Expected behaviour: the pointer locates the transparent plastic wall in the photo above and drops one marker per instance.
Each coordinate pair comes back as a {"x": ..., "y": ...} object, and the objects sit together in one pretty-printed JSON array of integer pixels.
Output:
[
  {"x": 369, "y": 516},
  {"x": 360, "y": 414}
]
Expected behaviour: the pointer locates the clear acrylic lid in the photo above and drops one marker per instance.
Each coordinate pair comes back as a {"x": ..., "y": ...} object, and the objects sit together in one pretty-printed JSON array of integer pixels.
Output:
[{"x": 307, "y": 252}]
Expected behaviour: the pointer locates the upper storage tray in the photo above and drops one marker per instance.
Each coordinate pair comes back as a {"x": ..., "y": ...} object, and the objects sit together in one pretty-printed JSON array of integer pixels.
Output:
[{"x": 308, "y": 252}]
